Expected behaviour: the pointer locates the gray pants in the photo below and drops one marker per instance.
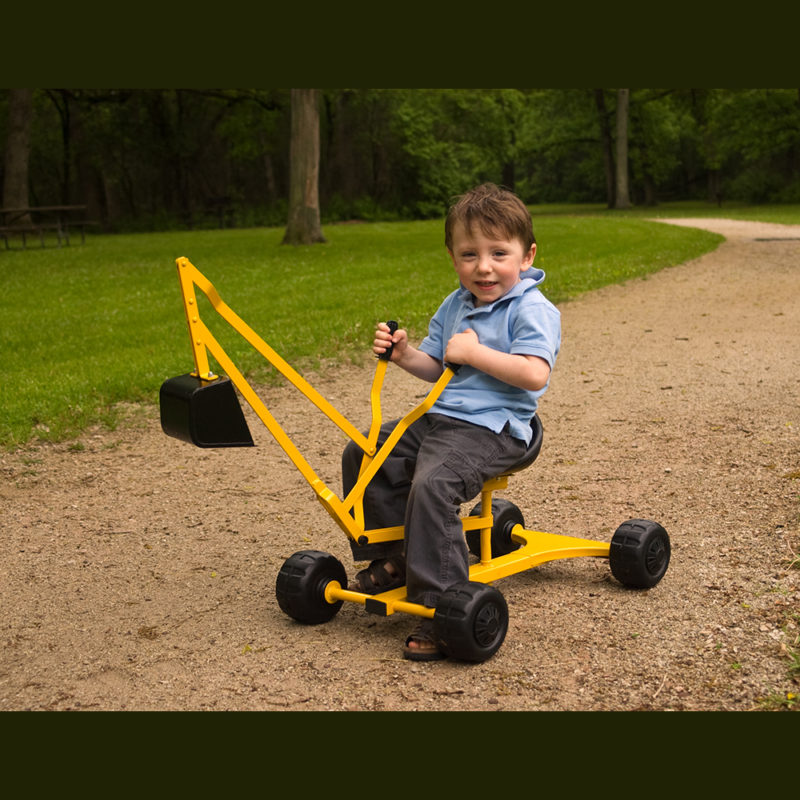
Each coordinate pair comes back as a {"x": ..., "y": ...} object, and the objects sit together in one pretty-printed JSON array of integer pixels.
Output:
[{"x": 438, "y": 464}]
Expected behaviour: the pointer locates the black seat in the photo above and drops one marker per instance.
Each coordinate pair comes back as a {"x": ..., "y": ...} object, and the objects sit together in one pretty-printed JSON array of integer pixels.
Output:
[{"x": 533, "y": 448}]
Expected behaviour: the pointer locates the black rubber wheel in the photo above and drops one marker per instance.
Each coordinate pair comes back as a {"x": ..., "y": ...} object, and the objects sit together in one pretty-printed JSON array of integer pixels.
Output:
[
  {"x": 471, "y": 621},
  {"x": 301, "y": 582},
  {"x": 505, "y": 516},
  {"x": 639, "y": 553}
]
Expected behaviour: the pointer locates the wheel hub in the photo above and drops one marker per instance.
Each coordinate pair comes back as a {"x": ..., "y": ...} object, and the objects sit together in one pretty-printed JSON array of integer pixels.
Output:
[{"x": 487, "y": 625}]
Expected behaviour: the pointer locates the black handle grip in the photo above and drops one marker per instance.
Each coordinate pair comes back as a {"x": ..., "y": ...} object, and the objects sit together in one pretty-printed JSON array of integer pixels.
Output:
[{"x": 388, "y": 354}]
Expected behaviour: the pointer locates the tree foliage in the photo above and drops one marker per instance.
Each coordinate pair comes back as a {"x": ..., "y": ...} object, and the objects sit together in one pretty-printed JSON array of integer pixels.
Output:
[{"x": 158, "y": 158}]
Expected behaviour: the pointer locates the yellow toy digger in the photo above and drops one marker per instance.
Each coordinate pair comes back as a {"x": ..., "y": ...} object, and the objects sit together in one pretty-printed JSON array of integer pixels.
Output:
[{"x": 471, "y": 618}]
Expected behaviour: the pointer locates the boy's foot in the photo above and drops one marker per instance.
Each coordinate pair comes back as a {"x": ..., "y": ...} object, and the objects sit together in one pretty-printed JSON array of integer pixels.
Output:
[
  {"x": 421, "y": 646},
  {"x": 382, "y": 575}
]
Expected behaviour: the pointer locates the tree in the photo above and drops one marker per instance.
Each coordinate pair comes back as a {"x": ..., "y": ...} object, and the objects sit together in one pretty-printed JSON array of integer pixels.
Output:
[
  {"x": 608, "y": 146},
  {"x": 658, "y": 126},
  {"x": 18, "y": 146},
  {"x": 622, "y": 195},
  {"x": 558, "y": 148},
  {"x": 753, "y": 135},
  {"x": 303, "y": 225},
  {"x": 151, "y": 159}
]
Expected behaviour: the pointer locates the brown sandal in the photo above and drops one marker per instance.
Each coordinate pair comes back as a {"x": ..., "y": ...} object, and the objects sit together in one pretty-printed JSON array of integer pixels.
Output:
[
  {"x": 382, "y": 575},
  {"x": 425, "y": 649}
]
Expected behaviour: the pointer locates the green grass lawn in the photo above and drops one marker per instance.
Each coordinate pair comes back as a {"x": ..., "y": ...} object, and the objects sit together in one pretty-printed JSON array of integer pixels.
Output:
[
  {"x": 83, "y": 328},
  {"x": 785, "y": 214}
]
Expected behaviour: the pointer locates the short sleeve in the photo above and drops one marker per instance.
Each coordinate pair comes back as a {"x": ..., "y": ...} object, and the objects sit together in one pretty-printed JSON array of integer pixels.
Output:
[{"x": 536, "y": 330}]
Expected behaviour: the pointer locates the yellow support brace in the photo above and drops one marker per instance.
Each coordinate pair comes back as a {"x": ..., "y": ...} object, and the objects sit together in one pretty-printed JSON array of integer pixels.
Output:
[{"x": 537, "y": 548}]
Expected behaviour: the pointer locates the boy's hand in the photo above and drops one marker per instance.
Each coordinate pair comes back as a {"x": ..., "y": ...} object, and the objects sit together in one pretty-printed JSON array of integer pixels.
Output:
[
  {"x": 413, "y": 361},
  {"x": 385, "y": 339},
  {"x": 524, "y": 371},
  {"x": 461, "y": 346}
]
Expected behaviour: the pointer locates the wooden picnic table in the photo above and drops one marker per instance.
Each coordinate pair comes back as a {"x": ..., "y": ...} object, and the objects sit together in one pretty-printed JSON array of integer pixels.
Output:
[{"x": 38, "y": 219}]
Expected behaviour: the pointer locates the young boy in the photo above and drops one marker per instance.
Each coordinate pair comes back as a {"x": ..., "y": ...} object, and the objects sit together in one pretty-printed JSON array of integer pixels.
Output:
[{"x": 505, "y": 336}]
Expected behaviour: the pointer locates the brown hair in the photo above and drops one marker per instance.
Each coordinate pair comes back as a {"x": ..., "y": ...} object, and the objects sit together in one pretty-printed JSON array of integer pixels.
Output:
[{"x": 496, "y": 210}]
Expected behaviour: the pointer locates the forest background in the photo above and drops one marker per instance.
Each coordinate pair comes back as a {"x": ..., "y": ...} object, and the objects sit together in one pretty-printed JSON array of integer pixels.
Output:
[{"x": 170, "y": 159}]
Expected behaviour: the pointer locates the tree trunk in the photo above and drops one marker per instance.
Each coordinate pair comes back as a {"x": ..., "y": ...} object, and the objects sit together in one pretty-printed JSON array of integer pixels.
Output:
[
  {"x": 650, "y": 191},
  {"x": 303, "y": 225},
  {"x": 18, "y": 148},
  {"x": 89, "y": 185},
  {"x": 509, "y": 175},
  {"x": 622, "y": 192},
  {"x": 714, "y": 193},
  {"x": 608, "y": 145}
]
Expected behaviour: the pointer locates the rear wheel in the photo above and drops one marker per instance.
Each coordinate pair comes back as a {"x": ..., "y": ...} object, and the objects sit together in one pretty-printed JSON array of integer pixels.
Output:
[
  {"x": 639, "y": 553},
  {"x": 471, "y": 621},
  {"x": 505, "y": 515},
  {"x": 301, "y": 582}
]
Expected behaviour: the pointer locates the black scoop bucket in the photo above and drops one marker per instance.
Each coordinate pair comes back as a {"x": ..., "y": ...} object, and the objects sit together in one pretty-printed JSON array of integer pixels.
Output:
[{"x": 204, "y": 413}]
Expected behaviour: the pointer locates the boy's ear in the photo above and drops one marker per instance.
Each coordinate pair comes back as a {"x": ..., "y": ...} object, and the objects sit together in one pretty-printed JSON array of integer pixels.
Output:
[{"x": 531, "y": 255}]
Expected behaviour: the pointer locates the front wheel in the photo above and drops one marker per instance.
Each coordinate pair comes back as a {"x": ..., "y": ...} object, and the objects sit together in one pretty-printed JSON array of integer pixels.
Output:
[
  {"x": 301, "y": 582},
  {"x": 639, "y": 553},
  {"x": 471, "y": 621}
]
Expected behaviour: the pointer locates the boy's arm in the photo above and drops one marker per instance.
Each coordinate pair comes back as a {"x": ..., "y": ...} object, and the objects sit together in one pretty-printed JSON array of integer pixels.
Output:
[
  {"x": 414, "y": 361},
  {"x": 524, "y": 371}
]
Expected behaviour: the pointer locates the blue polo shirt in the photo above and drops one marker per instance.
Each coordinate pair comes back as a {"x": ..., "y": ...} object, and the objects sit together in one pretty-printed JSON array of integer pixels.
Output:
[{"x": 523, "y": 322}]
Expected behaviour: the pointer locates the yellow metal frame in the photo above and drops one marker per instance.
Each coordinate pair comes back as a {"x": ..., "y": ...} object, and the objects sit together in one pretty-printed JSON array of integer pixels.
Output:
[{"x": 536, "y": 547}]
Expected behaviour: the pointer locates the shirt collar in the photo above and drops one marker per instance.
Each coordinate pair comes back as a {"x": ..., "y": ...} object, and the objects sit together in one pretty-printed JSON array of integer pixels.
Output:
[{"x": 529, "y": 279}]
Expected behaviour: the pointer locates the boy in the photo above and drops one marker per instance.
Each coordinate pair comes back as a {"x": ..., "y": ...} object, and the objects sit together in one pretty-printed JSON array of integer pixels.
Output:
[{"x": 505, "y": 336}]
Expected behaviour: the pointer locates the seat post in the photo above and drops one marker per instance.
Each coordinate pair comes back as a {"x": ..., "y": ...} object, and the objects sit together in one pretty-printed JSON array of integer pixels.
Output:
[{"x": 489, "y": 488}]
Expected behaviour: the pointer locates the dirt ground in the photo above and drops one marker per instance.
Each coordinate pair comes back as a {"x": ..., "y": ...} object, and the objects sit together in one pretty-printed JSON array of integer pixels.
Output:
[{"x": 138, "y": 572}]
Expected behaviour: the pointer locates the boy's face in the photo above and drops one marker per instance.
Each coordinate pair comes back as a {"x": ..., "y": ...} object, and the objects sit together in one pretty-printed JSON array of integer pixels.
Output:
[{"x": 486, "y": 265}]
